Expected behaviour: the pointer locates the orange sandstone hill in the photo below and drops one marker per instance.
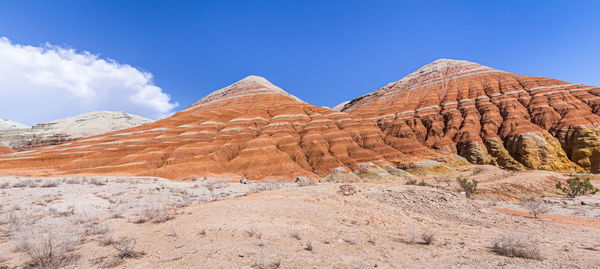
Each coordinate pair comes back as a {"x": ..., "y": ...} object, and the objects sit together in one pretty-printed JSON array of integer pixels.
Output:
[
  {"x": 5, "y": 150},
  {"x": 249, "y": 129},
  {"x": 488, "y": 116}
]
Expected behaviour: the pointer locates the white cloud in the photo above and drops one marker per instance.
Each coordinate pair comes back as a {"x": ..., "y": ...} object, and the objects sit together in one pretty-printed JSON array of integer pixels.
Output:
[{"x": 39, "y": 84}]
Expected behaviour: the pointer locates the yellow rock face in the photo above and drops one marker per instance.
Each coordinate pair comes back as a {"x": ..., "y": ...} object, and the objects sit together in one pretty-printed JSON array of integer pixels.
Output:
[
  {"x": 500, "y": 155},
  {"x": 583, "y": 146},
  {"x": 541, "y": 151}
]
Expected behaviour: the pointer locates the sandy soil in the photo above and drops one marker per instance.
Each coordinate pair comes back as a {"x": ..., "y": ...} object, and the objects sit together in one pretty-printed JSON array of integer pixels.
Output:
[{"x": 287, "y": 226}]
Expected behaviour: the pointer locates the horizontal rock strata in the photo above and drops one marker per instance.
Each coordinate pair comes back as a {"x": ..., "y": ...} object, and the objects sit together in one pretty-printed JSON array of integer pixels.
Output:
[
  {"x": 489, "y": 116},
  {"x": 60, "y": 131},
  {"x": 250, "y": 129}
]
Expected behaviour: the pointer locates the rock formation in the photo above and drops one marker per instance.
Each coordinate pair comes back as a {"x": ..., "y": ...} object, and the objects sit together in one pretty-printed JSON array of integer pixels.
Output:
[
  {"x": 422, "y": 124},
  {"x": 9, "y": 125},
  {"x": 250, "y": 129},
  {"x": 5, "y": 150},
  {"x": 56, "y": 132},
  {"x": 488, "y": 116}
]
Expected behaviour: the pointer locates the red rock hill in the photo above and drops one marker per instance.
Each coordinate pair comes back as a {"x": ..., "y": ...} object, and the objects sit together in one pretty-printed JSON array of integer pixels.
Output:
[
  {"x": 251, "y": 128},
  {"x": 488, "y": 116}
]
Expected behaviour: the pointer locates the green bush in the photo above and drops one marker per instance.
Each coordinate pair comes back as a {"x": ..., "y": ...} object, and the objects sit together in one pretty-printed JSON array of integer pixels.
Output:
[
  {"x": 577, "y": 187},
  {"x": 469, "y": 187}
]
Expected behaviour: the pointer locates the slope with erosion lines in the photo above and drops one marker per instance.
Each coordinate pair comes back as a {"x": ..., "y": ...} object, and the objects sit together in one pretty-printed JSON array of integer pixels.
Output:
[
  {"x": 251, "y": 128},
  {"x": 489, "y": 116}
]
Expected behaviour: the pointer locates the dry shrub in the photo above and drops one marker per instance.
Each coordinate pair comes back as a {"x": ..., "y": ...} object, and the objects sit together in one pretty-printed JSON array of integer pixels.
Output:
[
  {"x": 303, "y": 182},
  {"x": 125, "y": 247},
  {"x": 427, "y": 237},
  {"x": 516, "y": 245},
  {"x": 49, "y": 184},
  {"x": 157, "y": 212},
  {"x": 295, "y": 235},
  {"x": 535, "y": 205},
  {"x": 346, "y": 189},
  {"x": 412, "y": 230},
  {"x": 349, "y": 241},
  {"x": 107, "y": 239},
  {"x": 97, "y": 181},
  {"x": 49, "y": 245},
  {"x": 468, "y": 187},
  {"x": 254, "y": 233},
  {"x": 172, "y": 231},
  {"x": 267, "y": 264},
  {"x": 73, "y": 180},
  {"x": 20, "y": 184},
  {"x": 308, "y": 246}
]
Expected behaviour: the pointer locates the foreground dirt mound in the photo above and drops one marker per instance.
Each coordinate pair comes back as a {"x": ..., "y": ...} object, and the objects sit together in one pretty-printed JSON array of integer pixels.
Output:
[
  {"x": 251, "y": 129},
  {"x": 488, "y": 116}
]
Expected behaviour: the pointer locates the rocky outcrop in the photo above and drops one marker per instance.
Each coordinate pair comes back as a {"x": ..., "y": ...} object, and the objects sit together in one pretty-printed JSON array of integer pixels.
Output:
[
  {"x": 250, "y": 129},
  {"x": 60, "y": 131},
  {"x": 488, "y": 116}
]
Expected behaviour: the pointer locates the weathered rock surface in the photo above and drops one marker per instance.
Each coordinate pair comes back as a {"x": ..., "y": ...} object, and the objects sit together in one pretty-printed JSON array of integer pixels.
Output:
[
  {"x": 5, "y": 150},
  {"x": 9, "y": 124},
  {"x": 488, "y": 116},
  {"x": 430, "y": 122},
  {"x": 21, "y": 137},
  {"x": 250, "y": 129}
]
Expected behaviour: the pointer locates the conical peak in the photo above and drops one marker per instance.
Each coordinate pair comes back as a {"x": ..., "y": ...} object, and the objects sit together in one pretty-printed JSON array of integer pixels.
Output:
[
  {"x": 248, "y": 86},
  {"x": 441, "y": 69}
]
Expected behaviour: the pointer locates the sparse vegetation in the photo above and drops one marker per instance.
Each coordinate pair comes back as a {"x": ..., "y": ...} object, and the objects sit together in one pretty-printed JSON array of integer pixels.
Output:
[
  {"x": 577, "y": 187},
  {"x": 46, "y": 248},
  {"x": 254, "y": 233},
  {"x": 107, "y": 240},
  {"x": 420, "y": 183},
  {"x": 267, "y": 264},
  {"x": 349, "y": 241},
  {"x": 295, "y": 235},
  {"x": 49, "y": 184},
  {"x": 516, "y": 246},
  {"x": 427, "y": 237},
  {"x": 346, "y": 189},
  {"x": 534, "y": 205},
  {"x": 308, "y": 247},
  {"x": 125, "y": 247},
  {"x": 468, "y": 187},
  {"x": 303, "y": 182},
  {"x": 157, "y": 213}
]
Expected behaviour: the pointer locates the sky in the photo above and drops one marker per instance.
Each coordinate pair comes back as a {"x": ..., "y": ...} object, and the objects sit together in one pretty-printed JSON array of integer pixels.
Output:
[{"x": 154, "y": 58}]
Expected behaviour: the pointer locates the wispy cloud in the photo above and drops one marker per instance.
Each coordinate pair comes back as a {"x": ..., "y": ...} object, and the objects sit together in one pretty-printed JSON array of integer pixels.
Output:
[{"x": 48, "y": 82}]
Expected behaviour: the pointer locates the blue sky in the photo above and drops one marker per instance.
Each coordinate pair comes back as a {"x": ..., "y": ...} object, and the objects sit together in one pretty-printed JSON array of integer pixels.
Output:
[{"x": 324, "y": 52}]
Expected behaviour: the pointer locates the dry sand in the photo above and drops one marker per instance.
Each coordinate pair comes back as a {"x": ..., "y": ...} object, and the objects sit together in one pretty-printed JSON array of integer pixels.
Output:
[{"x": 231, "y": 225}]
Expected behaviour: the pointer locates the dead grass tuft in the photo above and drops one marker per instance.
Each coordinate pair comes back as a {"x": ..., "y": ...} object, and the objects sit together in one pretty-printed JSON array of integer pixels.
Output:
[
  {"x": 125, "y": 247},
  {"x": 516, "y": 245},
  {"x": 427, "y": 237}
]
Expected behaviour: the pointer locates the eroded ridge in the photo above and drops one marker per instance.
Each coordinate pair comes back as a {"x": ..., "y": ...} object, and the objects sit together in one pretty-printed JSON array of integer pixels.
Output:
[
  {"x": 251, "y": 129},
  {"x": 489, "y": 116}
]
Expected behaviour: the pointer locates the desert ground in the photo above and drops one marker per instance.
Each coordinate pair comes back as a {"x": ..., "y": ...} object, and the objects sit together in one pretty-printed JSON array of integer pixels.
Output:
[{"x": 125, "y": 222}]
